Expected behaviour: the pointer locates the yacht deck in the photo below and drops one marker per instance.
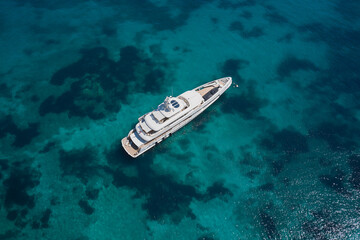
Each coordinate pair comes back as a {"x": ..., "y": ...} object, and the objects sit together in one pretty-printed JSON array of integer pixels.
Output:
[
  {"x": 128, "y": 147},
  {"x": 204, "y": 91}
]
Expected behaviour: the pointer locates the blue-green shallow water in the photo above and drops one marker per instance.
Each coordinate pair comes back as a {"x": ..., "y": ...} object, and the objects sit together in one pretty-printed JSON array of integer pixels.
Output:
[{"x": 276, "y": 158}]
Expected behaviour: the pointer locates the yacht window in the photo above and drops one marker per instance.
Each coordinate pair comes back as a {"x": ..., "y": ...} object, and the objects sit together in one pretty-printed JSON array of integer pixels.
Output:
[{"x": 175, "y": 104}]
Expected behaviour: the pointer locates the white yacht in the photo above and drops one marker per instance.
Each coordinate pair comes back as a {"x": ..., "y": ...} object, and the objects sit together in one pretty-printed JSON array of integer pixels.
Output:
[{"x": 171, "y": 115}]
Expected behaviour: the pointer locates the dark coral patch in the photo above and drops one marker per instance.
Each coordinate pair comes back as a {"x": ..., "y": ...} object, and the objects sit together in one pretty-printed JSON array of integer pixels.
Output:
[
  {"x": 16, "y": 198},
  {"x": 127, "y": 63},
  {"x": 339, "y": 136},
  {"x": 354, "y": 163},
  {"x": 226, "y": 4},
  {"x": 184, "y": 143},
  {"x": 237, "y": 26},
  {"x": 165, "y": 200},
  {"x": 24, "y": 212},
  {"x": 52, "y": 42},
  {"x": 267, "y": 187},
  {"x": 325, "y": 162},
  {"x": 251, "y": 174},
  {"x": 44, "y": 4},
  {"x": 22, "y": 136},
  {"x": 25, "y": 136},
  {"x": 96, "y": 74},
  {"x": 287, "y": 141},
  {"x": 153, "y": 80},
  {"x": 277, "y": 166},
  {"x": 274, "y": 17},
  {"x": 185, "y": 156},
  {"x": 4, "y": 164},
  {"x": 85, "y": 206},
  {"x": 48, "y": 147},
  {"x": 17, "y": 186},
  {"x": 254, "y": 32},
  {"x": 316, "y": 31},
  {"x": 349, "y": 9},
  {"x": 89, "y": 63},
  {"x": 151, "y": 77},
  {"x": 243, "y": 105},
  {"x": 5, "y": 91},
  {"x": 344, "y": 71},
  {"x": 232, "y": 67},
  {"x": 44, "y": 220},
  {"x": 79, "y": 163},
  {"x": 246, "y": 104},
  {"x": 12, "y": 215},
  {"x": 48, "y": 105},
  {"x": 161, "y": 17},
  {"x": 292, "y": 64},
  {"x": 335, "y": 180},
  {"x": 92, "y": 194},
  {"x": 214, "y": 20},
  {"x": 10, "y": 234},
  {"x": 346, "y": 112},
  {"x": 269, "y": 226},
  {"x": 164, "y": 196},
  {"x": 285, "y": 144},
  {"x": 208, "y": 236},
  {"x": 217, "y": 189},
  {"x": 286, "y": 38},
  {"x": 100, "y": 84},
  {"x": 34, "y": 98},
  {"x": 108, "y": 29},
  {"x": 58, "y": 105},
  {"x": 35, "y": 225},
  {"x": 79, "y": 101},
  {"x": 246, "y": 14},
  {"x": 342, "y": 74},
  {"x": 343, "y": 68},
  {"x": 7, "y": 125}
]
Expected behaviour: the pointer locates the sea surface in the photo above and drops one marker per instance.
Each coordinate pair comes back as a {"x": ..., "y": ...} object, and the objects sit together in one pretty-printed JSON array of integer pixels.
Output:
[{"x": 275, "y": 158}]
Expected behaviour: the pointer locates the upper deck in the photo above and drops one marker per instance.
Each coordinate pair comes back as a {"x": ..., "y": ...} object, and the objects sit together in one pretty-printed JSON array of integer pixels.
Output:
[{"x": 170, "y": 110}]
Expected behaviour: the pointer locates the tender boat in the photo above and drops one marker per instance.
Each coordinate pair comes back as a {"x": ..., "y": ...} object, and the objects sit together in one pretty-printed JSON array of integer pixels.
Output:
[{"x": 171, "y": 115}]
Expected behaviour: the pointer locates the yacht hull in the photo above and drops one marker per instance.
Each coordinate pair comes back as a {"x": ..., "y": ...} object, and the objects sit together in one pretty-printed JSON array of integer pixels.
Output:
[{"x": 179, "y": 123}]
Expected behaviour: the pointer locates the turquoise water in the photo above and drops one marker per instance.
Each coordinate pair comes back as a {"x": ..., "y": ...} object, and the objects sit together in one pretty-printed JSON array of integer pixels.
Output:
[{"x": 276, "y": 158}]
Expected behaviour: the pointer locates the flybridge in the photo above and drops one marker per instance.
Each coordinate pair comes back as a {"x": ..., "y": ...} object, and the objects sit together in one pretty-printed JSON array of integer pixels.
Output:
[
  {"x": 168, "y": 109},
  {"x": 171, "y": 115},
  {"x": 172, "y": 109}
]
